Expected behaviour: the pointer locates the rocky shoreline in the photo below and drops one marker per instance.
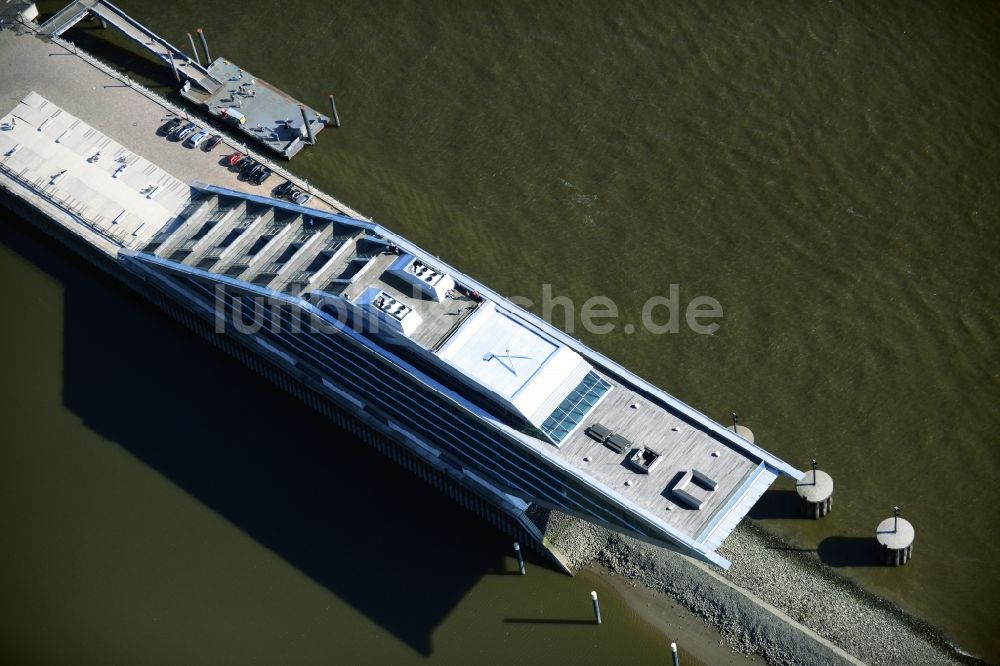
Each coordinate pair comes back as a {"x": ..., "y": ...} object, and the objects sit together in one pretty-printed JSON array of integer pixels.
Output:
[{"x": 776, "y": 602}]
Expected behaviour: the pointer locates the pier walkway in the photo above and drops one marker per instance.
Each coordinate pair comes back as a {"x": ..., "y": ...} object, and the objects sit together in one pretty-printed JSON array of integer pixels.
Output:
[
  {"x": 104, "y": 101},
  {"x": 241, "y": 101},
  {"x": 135, "y": 31}
]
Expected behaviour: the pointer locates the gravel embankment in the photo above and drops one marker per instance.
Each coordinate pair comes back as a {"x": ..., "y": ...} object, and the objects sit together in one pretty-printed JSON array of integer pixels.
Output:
[{"x": 798, "y": 585}]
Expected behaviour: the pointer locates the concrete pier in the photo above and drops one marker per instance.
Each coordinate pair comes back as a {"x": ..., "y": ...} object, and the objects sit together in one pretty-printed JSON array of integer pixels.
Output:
[
  {"x": 128, "y": 114},
  {"x": 815, "y": 491},
  {"x": 221, "y": 88},
  {"x": 895, "y": 538}
]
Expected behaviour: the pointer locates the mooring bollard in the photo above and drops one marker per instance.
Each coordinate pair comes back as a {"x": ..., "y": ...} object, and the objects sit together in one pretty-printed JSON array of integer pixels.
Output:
[
  {"x": 597, "y": 607},
  {"x": 520, "y": 558},
  {"x": 673, "y": 653}
]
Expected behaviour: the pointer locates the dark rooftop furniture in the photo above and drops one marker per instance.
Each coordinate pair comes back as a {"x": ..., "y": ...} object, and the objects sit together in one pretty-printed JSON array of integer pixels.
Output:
[
  {"x": 617, "y": 443},
  {"x": 687, "y": 499},
  {"x": 693, "y": 489},
  {"x": 704, "y": 480},
  {"x": 599, "y": 432}
]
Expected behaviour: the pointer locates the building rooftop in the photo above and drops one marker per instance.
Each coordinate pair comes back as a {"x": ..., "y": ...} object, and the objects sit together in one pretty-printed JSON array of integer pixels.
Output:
[
  {"x": 643, "y": 447},
  {"x": 681, "y": 446},
  {"x": 123, "y": 196}
]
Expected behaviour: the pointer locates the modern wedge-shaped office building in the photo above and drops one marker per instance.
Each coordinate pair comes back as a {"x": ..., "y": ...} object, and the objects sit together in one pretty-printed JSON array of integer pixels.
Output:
[{"x": 449, "y": 370}]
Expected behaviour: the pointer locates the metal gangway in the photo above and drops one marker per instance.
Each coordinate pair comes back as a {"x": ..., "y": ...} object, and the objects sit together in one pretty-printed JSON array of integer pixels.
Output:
[{"x": 112, "y": 16}]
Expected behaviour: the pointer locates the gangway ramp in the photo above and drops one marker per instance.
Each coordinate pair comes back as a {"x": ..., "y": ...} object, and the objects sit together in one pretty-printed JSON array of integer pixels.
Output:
[{"x": 135, "y": 31}]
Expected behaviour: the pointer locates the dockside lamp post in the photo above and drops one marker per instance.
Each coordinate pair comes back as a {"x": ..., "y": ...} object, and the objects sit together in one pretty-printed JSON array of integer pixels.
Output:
[
  {"x": 736, "y": 420},
  {"x": 813, "y": 463},
  {"x": 673, "y": 653},
  {"x": 597, "y": 607},
  {"x": 895, "y": 518}
]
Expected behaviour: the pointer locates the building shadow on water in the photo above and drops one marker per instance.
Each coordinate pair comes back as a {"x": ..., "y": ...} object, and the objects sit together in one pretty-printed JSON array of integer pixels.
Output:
[
  {"x": 844, "y": 551},
  {"x": 385, "y": 542},
  {"x": 776, "y": 505}
]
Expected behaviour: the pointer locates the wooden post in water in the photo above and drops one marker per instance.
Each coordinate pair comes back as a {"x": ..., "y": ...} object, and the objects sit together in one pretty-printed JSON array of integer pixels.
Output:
[
  {"x": 520, "y": 557},
  {"x": 204, "y": 45},
  {"x": 194, "y": 50},
  {"x": 597, "y": 607},
  {"x": 333, "y": 107},
  {"x": 305, "y": 121},
  {"x": 673, "y": 653}
]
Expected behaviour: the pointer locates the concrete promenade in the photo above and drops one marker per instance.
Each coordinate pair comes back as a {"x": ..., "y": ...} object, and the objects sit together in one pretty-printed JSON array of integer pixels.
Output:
[{"x": 123, "y": 113}]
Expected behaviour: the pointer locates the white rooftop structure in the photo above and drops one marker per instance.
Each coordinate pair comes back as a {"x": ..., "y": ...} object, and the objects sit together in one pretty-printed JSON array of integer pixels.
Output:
[
  {"x": 428, "y": 281},
  {"x": 81, "y": 170},
  {"x": 520, "y": 365},
  {"x": 396, "y": 314}
]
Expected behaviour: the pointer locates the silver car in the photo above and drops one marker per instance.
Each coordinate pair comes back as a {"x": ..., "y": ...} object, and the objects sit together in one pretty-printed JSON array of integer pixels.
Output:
[
  {"x": 196, "y": 139},
  {"x": 185, "y": 131}
]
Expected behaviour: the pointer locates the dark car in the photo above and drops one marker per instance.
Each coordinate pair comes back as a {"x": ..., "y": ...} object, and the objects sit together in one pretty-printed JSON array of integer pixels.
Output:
[
  {"x": 261, "y": 176},
  {"x": 169, "y": 126},
  {"x": 283, "y": 189},
  {"x": 241, "y": 163},
  {"x": 248, "y": 168},
  {"x": 212, "y": 142}
]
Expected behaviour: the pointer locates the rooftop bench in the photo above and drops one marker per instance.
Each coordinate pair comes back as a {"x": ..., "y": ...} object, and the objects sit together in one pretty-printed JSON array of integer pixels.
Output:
[{"x": 693, "y": 489}]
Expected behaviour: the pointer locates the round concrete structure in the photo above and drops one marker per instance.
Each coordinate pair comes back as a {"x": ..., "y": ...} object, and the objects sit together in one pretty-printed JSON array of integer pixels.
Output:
[
  {"x": 743, "y": 431},
  {"x": 815, "y": 491},
  {"x": 895, "y": 541}
]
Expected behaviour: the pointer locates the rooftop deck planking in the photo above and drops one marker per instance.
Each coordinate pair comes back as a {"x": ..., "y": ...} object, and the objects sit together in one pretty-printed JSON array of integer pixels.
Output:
[{"x": 652, "y": 426}]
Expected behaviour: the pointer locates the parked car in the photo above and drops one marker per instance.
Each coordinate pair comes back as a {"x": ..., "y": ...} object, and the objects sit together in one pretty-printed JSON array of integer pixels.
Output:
[
  {"x": 242, "y": 162},
  {"x": 283, "y": 189},
  {"x": 169, "y": 126},
  {"x": 248, "y": 167},
  {"x": 184, "y": 132},
  {"x": 303, "y": 198},
  {"x": 197, "y": 138},
  {"x": 293, "y": 194},
  {"x": 261, "y": 176},
  {"x": 212, "y": 142},
  {"x": 234, "y": 159}
]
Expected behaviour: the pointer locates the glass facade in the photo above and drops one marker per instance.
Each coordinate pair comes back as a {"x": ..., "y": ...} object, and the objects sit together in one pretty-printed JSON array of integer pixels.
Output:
[
  {"x": 577, "y": 404},
  {"x": 355, "y": 363}
]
